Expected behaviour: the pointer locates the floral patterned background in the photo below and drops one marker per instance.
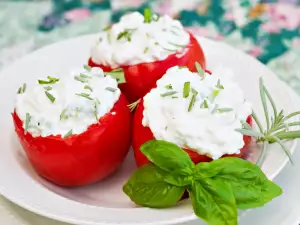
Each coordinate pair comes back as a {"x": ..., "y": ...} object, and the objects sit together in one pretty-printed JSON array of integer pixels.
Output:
[{"x": 269, "y": 30}]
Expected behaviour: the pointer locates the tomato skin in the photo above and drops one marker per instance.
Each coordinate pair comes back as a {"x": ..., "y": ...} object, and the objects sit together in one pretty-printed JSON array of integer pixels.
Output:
[
  {"x": 143, "y": 134},
  {"x": 141, "y": 78},
  {"x": 81, "y": 159}
]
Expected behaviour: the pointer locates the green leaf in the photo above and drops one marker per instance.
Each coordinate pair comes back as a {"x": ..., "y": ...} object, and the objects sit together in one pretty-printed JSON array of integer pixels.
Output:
[
  {"x": 213, "y": 201},
  {"x": 146, "y": 187},
  {"x": 181, "y": 179},
  {"x": 250, "y": 185},
  {"x": 167, "y": 156}
]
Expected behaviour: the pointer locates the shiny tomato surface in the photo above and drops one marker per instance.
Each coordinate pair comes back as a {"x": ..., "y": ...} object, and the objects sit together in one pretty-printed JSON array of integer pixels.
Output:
[
  {"x": 141, "y": 78},
  {"x": 143, "y": 134},
  {"x": 81, "y": 159}
]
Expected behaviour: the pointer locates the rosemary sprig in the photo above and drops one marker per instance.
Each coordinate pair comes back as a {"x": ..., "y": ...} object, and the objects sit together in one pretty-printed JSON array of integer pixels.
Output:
[
  {"x": 133, "y": 105},
  {"x": 277, "y": 127}
]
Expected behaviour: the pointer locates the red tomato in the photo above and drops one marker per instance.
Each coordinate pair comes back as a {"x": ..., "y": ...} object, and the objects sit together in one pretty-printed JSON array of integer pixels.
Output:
[
  {"x": 81, "y": 159},
  {"x": 143, "y": 134},
  {"x": 141, "y": 78}
]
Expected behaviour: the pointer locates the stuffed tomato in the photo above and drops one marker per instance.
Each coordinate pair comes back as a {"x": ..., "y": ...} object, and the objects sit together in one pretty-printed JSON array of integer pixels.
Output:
[
  {"x": 199, "y": 113},
  {"x": 75, "y": 130},
  {"x": 142, "y": 48}
]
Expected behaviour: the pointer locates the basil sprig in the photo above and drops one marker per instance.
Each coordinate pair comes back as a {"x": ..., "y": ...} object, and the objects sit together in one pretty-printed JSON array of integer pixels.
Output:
[{"x": 217, "y": 189}]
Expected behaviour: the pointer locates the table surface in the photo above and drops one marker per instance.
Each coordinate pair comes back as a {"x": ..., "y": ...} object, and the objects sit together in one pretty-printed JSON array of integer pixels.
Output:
[{"x": 268, "y": 30}]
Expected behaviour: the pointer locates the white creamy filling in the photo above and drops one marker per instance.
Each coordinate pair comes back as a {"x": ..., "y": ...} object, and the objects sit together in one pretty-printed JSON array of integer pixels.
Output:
[
  {"x": 148, "y": 42},
  {"x": 80, "y": 100},
  {"x": 208, "y": 129}
]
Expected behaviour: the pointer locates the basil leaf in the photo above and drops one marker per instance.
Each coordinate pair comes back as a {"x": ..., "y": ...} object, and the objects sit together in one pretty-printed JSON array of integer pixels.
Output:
[
  {"x": 250, "y": 185},
  {"x": 179, "y": 178},
  {"x": 146, "y": 187},
  {"x": 167, "y": 156},
  {"x": 213, "y": 201}
]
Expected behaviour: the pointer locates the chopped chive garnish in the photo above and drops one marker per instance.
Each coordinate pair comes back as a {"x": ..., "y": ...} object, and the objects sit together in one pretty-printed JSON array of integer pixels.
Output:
[
  {"x": 70, "y": 132},
  {"x": 223, "y": 110},
  {"x": 174, "y": 97},
  {"x": 88, "y": 88},
  {"x": 169, "y": 86},
  {"x": 213, "y": 95},
  {"x": 219, "y": 85},
  {"x": 168, "y": 93},
  {"x": 79, "y": 78},
  {"x": 200, "y": 71},
  {"x": 85, "y": 76},
  {"x": 169, "y": 50},
  {"x": 98, "y": 101},
  {"x": 192, "y": 101},
  {"x": 110, "y": 89},
  {"x": 194, "y": 91},
  {"x": 156, "y": 43},
  {"x": 182, "y": 67},
  {"x": 87, "y": 68},
  {"x": 147, "y": 15},
  {"x": 177, "y": 45},
  {"x": 51, "y": 80},
  {"x": 27, "y": 121},
  {"x": 84, "y": 95},
  {"x": 146, "y": 50},
  {"x": 63, "y": 115},
  {"x": 51, "y": 97},
  {"x": 24, "y": 87},
  {"x": 107, "y": 28},
  {"x": 125, "y": 34},
  {"x": 204, "y": 105},
  {"x": 48, "y": 88},
  {"x": 117, "y": 74},
  {"x": 186, "y": 89}
]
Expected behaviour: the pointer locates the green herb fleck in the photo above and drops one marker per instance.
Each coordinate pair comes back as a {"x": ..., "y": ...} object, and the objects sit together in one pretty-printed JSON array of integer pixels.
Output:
[
  {"x": 177, "y": 45},
  {"x": 51, "y": 80},
  {"x": 219, "y": 85},
  {"x": 204, "y": 105},
  {"x": 85, "y": 95},
  {"x": 96, "y": 112},
  {"x": 22, "y": 89},
  {"x": 186, "y": 89},
  {"x": 182, "y": 67},
  {"x": 48, "y": 88},
  {"x": 148, "y": 15},
  {"x": 51, "y": 97},
  {"x": 107, "y": 28},
  {"x": 200, "y": 71},
  {"x": 98, "y": 101},
  {"x": 70, "y": 132},
  {"x": 88, "y": 88},
  {"x": 146, "y": 50},
  {"x": 117, "y": 74},
  {"x": 213, "y": 95},
  {"x": 174, "y": 97},
  {"x": 125, "y": 34},
  {"x": 169, "y": 93},
  {"x": 192, "y": 101},
  {"x": 27, "y": 121},
  {"x": 87, "y": 68},
  {"x": 169, "y": 86},
  {"x": 85, "y": 76},
  {"x": 63, "y": 115},
  {"x": 80, "y": 79},
  {"x": 110, "y": 89},
  {"x": 223, "y": 110}
]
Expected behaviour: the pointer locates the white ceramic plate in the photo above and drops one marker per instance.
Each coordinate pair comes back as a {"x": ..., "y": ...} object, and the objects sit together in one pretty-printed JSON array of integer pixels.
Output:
[{"x": 104, "y": 203}]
